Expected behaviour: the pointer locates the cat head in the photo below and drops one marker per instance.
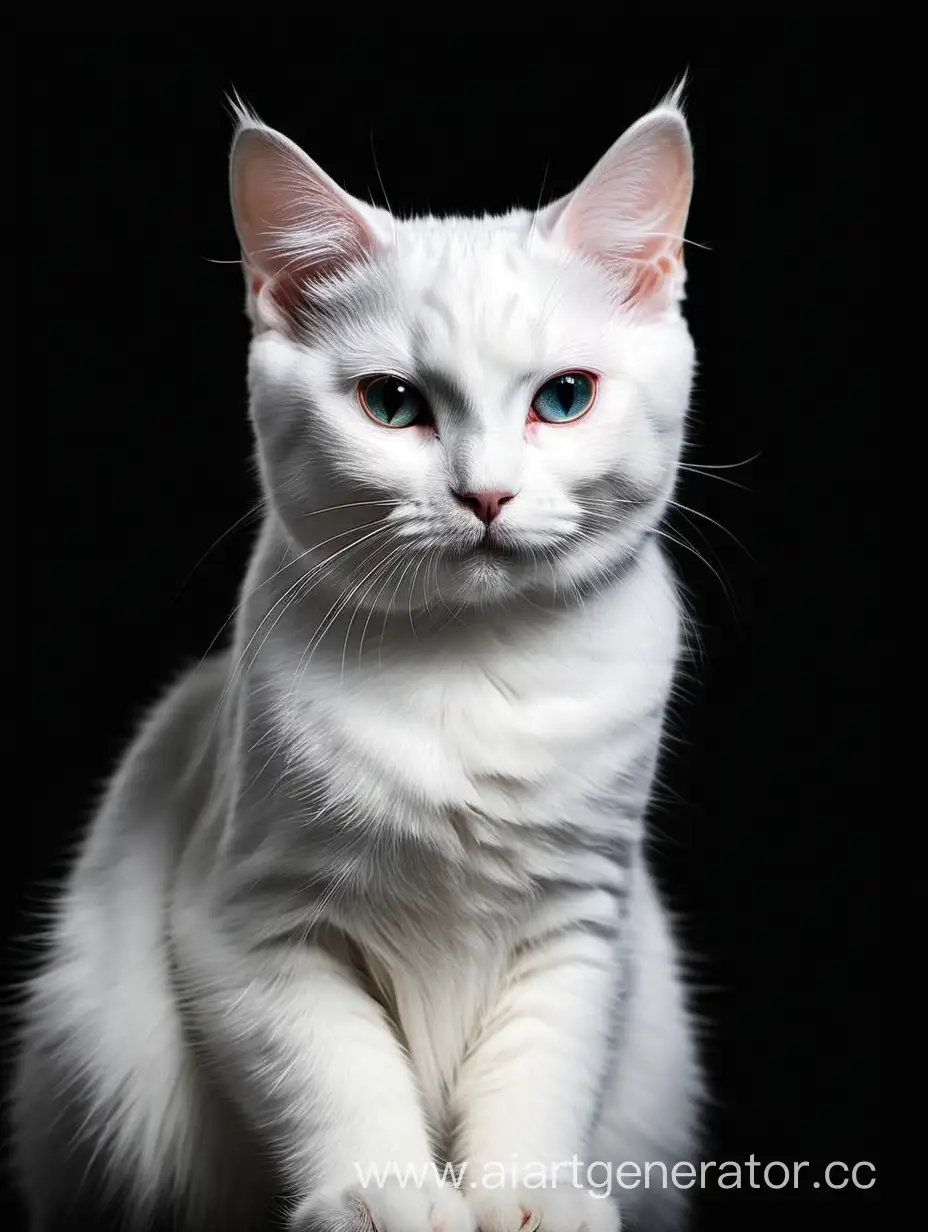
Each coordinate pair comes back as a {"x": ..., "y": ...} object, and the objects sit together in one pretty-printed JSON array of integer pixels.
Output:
[{"x": 461, "y": 410}]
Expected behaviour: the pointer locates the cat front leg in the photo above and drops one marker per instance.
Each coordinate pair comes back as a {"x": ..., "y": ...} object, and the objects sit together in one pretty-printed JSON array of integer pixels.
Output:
[
  {"x": 528, "y": 1092},
  {"x": 314, "y": 1064}
]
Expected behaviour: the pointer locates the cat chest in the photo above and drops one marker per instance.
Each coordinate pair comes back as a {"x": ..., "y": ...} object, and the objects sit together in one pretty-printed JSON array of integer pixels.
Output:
[
  {"x": 434, "y": 972},
  {"x": 479, "y": 758}
]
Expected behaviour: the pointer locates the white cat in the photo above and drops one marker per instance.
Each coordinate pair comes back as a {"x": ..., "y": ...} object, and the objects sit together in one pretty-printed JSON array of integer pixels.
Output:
[{"x": 368, "y": 889}]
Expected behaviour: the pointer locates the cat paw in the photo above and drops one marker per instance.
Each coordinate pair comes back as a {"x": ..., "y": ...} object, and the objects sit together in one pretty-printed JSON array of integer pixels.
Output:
[
  {"x": 390, "y": 1207},
  {"x": 550, "y": 1209}
]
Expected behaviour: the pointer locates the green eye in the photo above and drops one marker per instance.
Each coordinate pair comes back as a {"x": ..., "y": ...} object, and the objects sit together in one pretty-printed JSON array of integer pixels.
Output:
[
  {"x": 564, "y": 397},
  {"x": 393, "y": 402}
]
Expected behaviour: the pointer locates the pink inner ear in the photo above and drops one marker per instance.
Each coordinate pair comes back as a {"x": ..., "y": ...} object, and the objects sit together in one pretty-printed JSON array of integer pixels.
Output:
[
  {"x": 630, "y": 212},
  {"x": 652, "y": 277},
  {"x": 279, "y": 306},
  {"x": 294, "y": 222}
]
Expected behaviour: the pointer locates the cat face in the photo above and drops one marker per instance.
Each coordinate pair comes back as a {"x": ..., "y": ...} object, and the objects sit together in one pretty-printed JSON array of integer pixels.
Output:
[{"x": 456, "y": 411}]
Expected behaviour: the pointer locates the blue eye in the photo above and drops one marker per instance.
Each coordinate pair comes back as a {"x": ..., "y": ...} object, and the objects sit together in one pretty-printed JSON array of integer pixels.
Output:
[
  {"x": 393, "y": 402},
  {"x": 565, "y": 397}
]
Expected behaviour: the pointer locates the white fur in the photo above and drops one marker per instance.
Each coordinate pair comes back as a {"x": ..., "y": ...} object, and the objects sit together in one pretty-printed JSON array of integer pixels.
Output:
[{"x": 369, "y": 887}]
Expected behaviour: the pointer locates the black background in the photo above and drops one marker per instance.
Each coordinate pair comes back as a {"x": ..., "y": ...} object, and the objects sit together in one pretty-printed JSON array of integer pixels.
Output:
[{"x": 133, "y": 458}]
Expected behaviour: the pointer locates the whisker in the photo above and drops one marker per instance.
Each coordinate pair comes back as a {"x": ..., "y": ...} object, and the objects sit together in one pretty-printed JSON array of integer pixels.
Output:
[
  {"x": 318, "y": 573},
  {"x": 325, "y": 625},
  {"x": 282, "y": 600},
  {"x": 287, "y": 563},
  {"x": 723, "y": 466},
  {"x": 376, "y": 570},
  {"x": 249, "y": 513},
  {"x": 732, "y": 483},
  {"x": 676, "y": 539},
  {"x": 373, "y": 606},
  {"x": 537, "y": 209},
  {"x": 383, "y": 187},
  {"x": 389, "y": 607},
  {"x": 412, "y": 588},
  {"x": 698, "y": 514}
]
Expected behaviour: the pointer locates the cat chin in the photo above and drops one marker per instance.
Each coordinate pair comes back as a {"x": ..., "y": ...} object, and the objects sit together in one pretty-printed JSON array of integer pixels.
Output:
[
  {"x": 480, "y": 579},
  {"x": 477, "y": 581}
]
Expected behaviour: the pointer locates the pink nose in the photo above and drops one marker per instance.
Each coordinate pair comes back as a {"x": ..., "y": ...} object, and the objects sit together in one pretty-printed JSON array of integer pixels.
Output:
[{"x": 486, "y": 505}]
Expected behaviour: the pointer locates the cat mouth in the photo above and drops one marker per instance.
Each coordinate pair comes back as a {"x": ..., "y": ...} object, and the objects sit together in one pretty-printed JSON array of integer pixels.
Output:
[
  {"x": 492, "y": 547},
  {"x": 499, "y": 549}
]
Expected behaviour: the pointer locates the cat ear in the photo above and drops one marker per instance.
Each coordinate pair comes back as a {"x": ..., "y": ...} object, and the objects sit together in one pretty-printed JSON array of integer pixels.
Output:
[
  {"x": 294, "y": 223},
  {"x": 630, "y": 211}
]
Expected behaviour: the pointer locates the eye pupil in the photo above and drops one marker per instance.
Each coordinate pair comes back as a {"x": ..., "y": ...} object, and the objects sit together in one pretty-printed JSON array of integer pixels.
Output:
[
  {"x": 393, "y": 395},
  {"x": 566, "y": 393}
]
